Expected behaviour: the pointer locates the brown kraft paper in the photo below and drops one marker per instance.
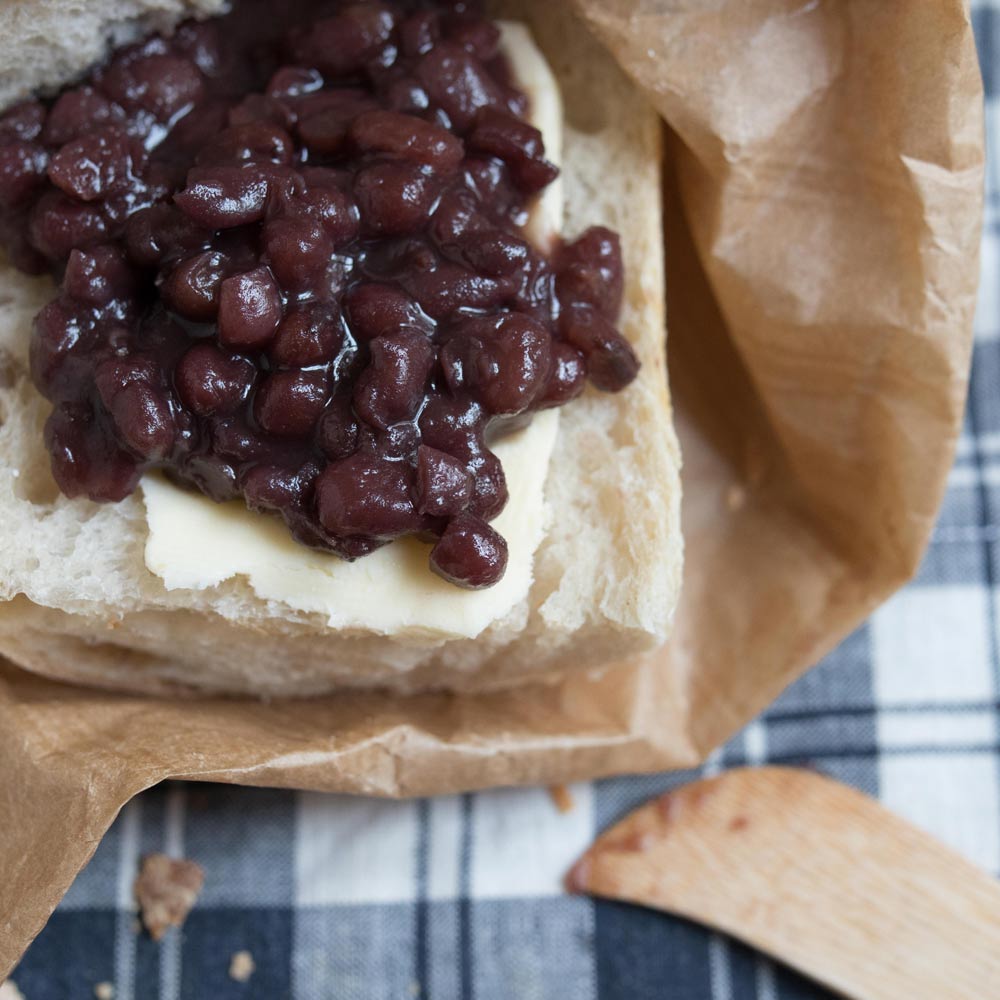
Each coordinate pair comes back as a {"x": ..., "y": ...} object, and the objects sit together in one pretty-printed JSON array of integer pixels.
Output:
[{"x": 824, "y": 196}]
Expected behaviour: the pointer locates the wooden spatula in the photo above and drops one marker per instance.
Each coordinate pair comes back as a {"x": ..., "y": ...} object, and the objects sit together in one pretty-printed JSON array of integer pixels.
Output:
[{"x": 815, "y": 874}]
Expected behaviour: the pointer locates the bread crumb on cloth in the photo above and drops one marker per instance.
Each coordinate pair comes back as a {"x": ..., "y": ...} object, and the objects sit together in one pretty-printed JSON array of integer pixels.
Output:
[
  {"x": 241, "y": 966},
  {"x": 104, "y": 991},
  {"x": 9, "y": 991},
  {"x": 562, "y": 797},
  {"x": 166, "y": 889}
]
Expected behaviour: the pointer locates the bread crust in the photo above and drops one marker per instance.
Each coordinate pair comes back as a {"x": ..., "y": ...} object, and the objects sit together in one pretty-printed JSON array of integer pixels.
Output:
[{"x": 79, "y": 604}]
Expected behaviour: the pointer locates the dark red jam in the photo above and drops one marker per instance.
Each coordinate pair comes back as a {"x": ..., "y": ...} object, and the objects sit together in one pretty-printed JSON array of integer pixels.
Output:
[{"x": 291, "y": 269}]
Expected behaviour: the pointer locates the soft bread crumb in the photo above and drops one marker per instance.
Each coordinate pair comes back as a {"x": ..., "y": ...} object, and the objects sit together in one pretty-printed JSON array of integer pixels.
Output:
[
  {"x": 562, "y": 797},
  {"x": 241, "y": 966},
  {"x": 414, "y": 988},
  {"x": 9, "y": 991},
  {"x": 104, "y": 991},
  {"x": 166, "y": 889}
]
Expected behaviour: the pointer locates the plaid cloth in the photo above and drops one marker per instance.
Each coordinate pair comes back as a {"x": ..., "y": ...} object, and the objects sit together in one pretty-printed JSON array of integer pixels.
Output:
[{"x": 340, "y": 898}]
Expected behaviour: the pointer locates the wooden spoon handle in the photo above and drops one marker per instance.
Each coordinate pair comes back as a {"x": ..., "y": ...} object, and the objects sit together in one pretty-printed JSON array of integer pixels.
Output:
[{"x": 815, "y": 874}]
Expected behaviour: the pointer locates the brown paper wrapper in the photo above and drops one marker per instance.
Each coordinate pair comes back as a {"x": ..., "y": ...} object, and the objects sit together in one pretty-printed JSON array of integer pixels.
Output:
[{"x": 824, "y": 199}]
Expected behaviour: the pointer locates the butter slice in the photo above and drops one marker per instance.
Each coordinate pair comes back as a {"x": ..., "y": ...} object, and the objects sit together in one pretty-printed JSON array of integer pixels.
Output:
[
  {"x": 534, "y": 76},
  {"x": 194, "y": 543}
]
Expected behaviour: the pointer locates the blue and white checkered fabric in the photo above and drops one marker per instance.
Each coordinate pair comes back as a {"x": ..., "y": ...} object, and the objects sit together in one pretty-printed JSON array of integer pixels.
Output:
[{"x": 459, "y": 897}]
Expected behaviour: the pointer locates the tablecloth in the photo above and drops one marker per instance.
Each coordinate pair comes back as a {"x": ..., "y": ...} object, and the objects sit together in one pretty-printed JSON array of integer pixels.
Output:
[{"x": 460, "y": 897}]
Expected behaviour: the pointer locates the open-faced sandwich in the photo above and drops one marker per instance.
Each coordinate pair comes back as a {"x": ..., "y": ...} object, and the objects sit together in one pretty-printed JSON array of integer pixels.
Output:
[{"x": 332, "y": 341}]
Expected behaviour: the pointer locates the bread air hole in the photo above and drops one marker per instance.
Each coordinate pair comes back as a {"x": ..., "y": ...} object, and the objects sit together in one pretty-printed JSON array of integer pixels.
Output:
[
  {"x": 34, "y": 484},
  {"x": 10, "y": 370},
  {"x": 33, "y": 481}
]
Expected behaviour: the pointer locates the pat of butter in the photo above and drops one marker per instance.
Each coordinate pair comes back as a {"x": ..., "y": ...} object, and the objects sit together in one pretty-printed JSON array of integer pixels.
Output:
[
  {"x": 194, "y": 543},
  {"x": 534, "y": 76}
]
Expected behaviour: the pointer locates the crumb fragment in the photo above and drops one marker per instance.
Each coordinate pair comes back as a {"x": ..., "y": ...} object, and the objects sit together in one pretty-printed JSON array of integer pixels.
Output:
[
  {"x": 241, "y": 966},
  {"x": 9, "y": 991},
  {"x": 414, "y": 988},
  {"x": 562, "y": 797},
  {"x": 104, "y": 991},
  {"x": 166, "y": 889}
]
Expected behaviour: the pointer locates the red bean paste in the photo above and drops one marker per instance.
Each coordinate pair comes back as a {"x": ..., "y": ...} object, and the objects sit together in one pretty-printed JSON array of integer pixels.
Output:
[{"x": 292, "y": 269}]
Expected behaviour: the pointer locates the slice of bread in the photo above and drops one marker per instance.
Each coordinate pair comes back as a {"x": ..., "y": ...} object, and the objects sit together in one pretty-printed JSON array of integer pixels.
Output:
[{"x": 77, "y": 600}]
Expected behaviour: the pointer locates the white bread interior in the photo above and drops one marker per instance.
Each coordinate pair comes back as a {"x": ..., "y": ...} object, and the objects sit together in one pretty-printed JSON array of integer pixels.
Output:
[
  {"x": 44, "y": 44},
  {"x": 78, "y": 601}
]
